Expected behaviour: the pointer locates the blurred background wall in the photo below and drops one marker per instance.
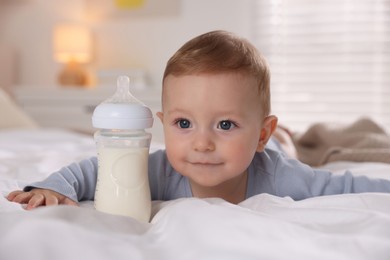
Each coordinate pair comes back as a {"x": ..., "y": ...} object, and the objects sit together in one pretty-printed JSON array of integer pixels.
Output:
[{"x": 122, "y": 39}]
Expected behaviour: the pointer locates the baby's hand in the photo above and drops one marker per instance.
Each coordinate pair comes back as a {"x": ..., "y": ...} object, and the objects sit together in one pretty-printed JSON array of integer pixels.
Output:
[{"x": 39, "y": 197}]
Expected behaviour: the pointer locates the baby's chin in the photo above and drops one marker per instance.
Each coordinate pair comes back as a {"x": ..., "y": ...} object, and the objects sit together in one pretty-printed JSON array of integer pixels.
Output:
[{"x": 206, "y": 179}]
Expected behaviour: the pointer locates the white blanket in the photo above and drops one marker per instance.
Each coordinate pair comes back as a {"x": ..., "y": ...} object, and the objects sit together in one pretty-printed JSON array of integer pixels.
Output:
[{"x": 354, "y": 226}]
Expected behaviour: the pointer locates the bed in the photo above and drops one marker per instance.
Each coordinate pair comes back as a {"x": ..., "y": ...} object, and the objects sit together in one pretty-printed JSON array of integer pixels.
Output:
[{"x": 353, "y": 226}]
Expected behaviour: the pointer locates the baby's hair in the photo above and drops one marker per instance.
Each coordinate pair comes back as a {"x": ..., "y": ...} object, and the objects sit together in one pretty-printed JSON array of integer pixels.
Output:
[{"x": 220, "y": 52}]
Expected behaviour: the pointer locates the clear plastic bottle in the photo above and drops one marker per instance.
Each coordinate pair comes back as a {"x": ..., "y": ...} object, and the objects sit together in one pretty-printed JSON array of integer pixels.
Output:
[{"x": 123, "y": 150}]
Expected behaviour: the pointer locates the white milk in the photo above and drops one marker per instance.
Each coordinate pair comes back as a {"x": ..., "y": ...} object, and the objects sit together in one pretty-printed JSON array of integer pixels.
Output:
[{"x": 123, "y": 185}]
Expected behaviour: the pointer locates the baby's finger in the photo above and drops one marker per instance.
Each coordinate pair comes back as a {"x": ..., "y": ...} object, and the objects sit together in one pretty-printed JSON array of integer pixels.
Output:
[
  {"x": 22, "y": 197},
  {"x": 36, "y": 201},
  {"x": 51, "y": 200},
  {"x": 13, "y": 194},
  {"x": 68, "y": 201}
]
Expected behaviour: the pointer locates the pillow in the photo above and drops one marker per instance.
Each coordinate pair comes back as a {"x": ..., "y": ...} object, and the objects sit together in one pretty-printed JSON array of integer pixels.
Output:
[{"x": 12, "y": 116}]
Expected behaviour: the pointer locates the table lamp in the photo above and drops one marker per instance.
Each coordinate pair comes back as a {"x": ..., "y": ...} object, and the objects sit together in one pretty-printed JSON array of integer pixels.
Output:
[{"x": 72, "y": 46}]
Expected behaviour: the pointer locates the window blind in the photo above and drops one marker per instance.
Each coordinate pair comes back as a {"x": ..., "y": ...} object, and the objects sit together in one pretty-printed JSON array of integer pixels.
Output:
[{"x": 329, "y": 59}]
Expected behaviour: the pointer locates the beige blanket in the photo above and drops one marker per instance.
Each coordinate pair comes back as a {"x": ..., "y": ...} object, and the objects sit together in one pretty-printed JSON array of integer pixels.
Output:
[{"x": 362, "y": 141}]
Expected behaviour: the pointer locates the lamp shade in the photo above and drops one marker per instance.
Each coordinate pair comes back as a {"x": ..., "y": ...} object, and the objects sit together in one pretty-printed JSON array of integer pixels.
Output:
[{"x": 72, "y": 43}]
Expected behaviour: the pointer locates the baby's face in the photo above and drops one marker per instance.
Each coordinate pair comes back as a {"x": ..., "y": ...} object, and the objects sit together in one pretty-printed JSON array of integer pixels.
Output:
[{"x": 212, "y": 125}]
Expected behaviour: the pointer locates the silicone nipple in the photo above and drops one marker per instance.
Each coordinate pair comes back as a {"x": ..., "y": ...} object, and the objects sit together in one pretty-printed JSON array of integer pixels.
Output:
[{"x": 122, "y": 93}]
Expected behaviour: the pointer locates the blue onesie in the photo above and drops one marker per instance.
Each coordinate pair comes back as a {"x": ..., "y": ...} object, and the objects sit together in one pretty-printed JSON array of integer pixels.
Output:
[{"x": 269, "y": 172}]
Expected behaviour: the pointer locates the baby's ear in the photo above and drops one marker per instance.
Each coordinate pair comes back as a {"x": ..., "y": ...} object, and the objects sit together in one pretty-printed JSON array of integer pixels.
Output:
[
  {"x": 160, "y": 115},
  {"x": 269, "y": 126}
]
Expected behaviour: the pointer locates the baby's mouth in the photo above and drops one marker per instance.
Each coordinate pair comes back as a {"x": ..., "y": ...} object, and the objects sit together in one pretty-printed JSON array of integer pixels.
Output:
[{"x": 206, "y": 163}]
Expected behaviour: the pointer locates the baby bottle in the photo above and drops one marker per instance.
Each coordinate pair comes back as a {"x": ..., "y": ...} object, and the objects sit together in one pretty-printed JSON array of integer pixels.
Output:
[{"x": 123, "y": 149}]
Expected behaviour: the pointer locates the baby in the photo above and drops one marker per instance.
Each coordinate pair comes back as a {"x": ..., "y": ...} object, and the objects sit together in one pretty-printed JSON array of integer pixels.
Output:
[{"x": 218, "y": 136}]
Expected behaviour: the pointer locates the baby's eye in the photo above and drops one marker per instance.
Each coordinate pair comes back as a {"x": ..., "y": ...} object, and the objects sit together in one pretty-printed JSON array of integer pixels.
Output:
[
  {"x": 226, "y": 125},
  {"x": 183, "y": 123}
]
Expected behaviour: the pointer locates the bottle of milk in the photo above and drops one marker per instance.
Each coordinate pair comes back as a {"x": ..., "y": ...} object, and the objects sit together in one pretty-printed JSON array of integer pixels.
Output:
[{"x": 123, "y": 150}]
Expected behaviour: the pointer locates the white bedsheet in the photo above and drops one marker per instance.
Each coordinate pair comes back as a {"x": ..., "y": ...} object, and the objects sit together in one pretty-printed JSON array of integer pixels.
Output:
[{"x": 353, "y": 226}]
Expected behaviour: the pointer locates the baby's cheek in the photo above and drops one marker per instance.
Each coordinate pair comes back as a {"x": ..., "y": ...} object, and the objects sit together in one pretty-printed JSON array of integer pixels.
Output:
[
  {"x": 242, "y": 153},
  {"x": 174, "y": 154}
]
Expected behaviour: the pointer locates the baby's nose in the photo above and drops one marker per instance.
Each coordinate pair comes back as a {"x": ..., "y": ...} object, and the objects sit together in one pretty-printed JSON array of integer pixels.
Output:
[{"x": 204, "y": 142}]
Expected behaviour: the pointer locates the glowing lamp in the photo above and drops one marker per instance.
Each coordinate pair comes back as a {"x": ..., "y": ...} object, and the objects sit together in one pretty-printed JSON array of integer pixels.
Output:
[{"x": 72, "y": 46}]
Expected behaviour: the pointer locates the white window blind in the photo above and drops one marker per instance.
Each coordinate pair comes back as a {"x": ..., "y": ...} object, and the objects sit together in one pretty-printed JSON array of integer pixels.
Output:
[{"x": 329, "y": 59}]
